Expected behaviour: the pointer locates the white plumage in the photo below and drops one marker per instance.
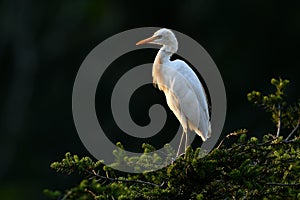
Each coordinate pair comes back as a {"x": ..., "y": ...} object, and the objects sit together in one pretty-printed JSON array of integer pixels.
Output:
[{"x": 183, "y": 90}]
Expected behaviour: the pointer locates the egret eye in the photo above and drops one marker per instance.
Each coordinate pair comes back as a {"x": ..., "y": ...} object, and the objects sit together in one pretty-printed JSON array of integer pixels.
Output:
[{"x": 159, "y": 36}]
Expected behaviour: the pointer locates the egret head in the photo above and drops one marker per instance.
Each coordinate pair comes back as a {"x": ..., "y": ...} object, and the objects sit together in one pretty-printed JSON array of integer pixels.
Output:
[{"x": 164, "y": 37}]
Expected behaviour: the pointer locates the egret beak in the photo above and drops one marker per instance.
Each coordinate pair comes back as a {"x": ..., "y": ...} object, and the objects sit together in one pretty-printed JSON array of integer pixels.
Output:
[{"x": 148, "y": 40}]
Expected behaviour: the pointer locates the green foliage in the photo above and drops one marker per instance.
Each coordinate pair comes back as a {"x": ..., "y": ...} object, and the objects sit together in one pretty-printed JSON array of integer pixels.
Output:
[
  {"x": 283, "y": 114},
  {"x": 246, "y": 169},
  {"x": 145, "y": 162}
]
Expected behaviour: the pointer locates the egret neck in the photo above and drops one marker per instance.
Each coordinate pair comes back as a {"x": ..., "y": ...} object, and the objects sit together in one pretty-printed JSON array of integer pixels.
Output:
[{"x": 165, "y": 52}]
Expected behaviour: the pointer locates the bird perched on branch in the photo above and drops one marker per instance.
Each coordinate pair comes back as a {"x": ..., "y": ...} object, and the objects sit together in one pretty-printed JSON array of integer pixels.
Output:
[{"x": 183, "y": 90}]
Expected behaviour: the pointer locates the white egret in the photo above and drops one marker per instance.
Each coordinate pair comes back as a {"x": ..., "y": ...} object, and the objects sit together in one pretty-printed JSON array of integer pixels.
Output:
[{"x": 184, "y": 93}]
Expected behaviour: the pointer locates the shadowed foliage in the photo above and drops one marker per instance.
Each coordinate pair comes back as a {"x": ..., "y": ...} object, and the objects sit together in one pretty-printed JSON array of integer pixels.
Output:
[{"x": 241, "y": 167}]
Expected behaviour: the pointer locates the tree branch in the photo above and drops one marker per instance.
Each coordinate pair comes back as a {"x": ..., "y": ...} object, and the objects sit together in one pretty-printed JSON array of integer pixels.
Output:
[
  {"x": 225, "y": 138},
  {"x": 279, "y": 121},
  {"x": 124, "y": 180},
  {"x": 269, "y": 142},
  {"x": 285, "y": 184},
  {"x": 293, "y": 131},
  {"x": 92, "y": 193}
]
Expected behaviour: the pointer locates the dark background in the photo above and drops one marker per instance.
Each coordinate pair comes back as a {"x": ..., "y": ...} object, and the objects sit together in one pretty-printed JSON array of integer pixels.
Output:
[{"x": 43, "y": 44}]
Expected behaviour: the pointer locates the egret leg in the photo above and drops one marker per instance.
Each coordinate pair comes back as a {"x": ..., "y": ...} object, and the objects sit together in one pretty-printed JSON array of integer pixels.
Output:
[
  {"x": 183, "y": 132},
  {"x": 186, "y": 142}
]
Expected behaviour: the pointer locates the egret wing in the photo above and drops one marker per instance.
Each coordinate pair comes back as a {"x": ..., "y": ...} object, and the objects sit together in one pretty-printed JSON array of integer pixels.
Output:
[{"x": 191, "y": 99}]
